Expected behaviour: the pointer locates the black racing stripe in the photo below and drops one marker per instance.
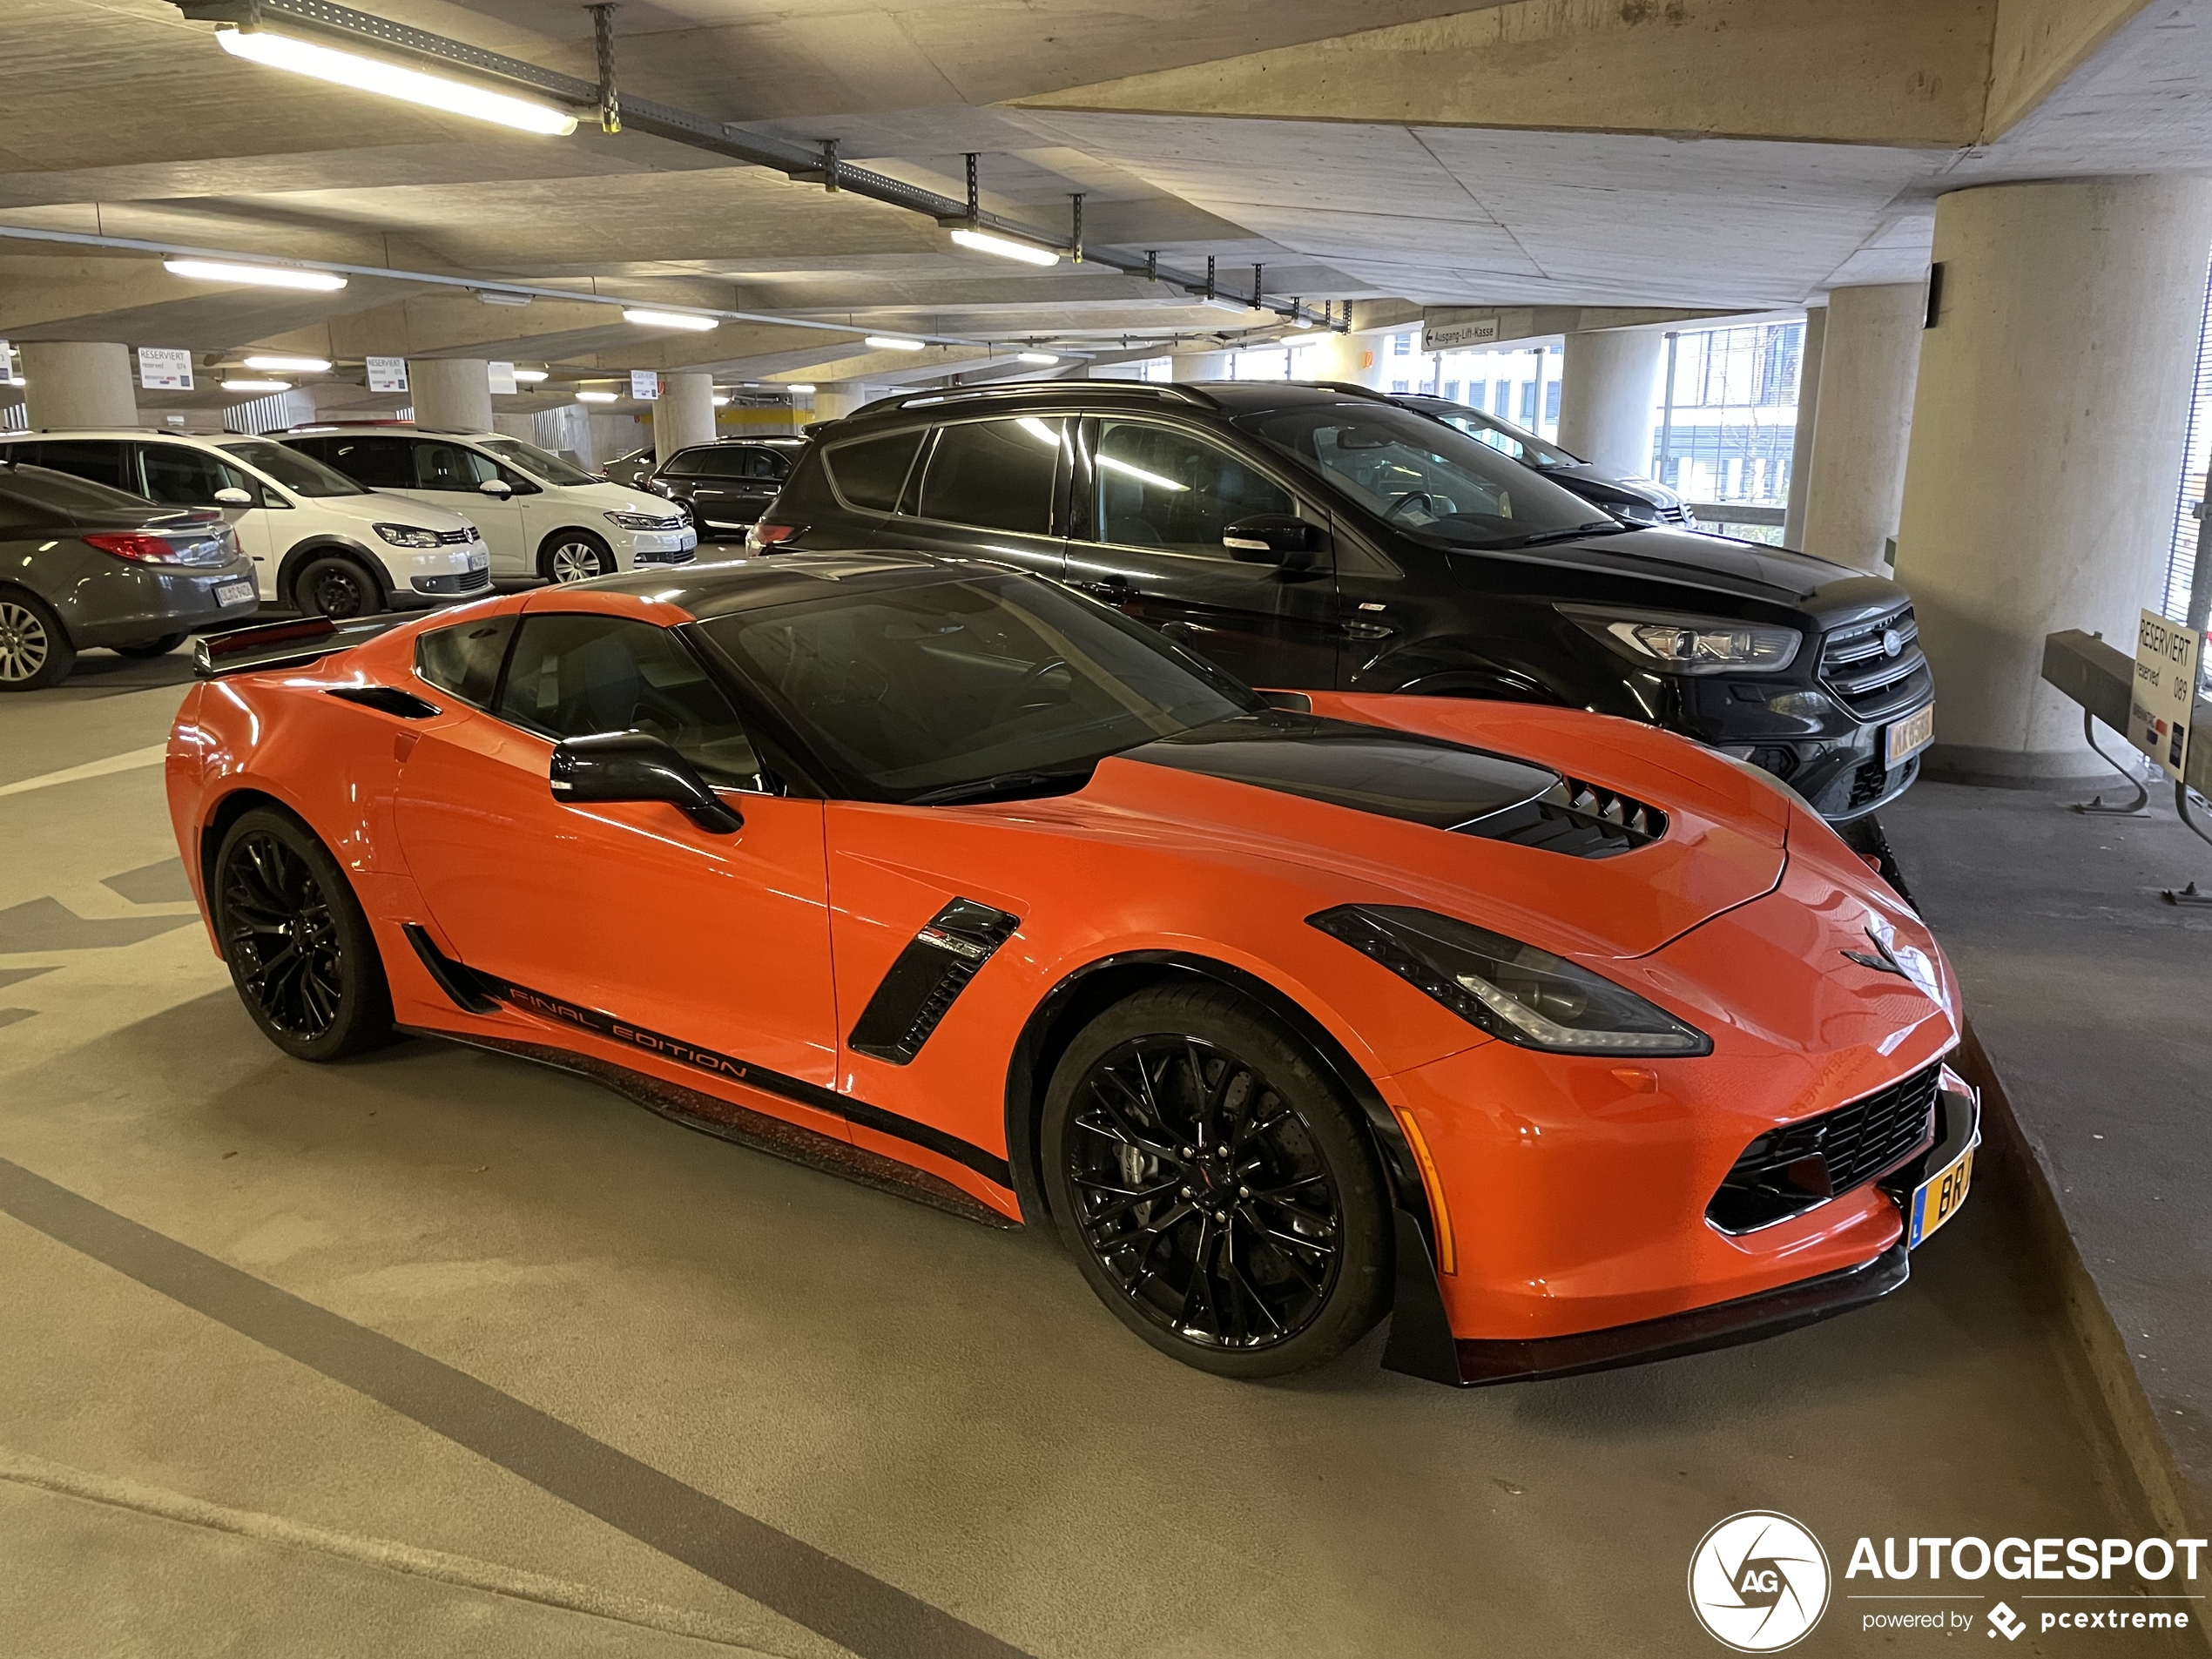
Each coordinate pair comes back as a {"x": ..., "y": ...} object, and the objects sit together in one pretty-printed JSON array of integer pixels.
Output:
[{"x": 456, "y": 981}]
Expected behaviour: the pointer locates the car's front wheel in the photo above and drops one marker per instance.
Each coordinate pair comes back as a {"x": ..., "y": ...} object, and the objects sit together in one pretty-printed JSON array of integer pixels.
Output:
[
  {"x": 1216, "y": 1190},
  {"x": 574, "y": 556},
  {"x": 298, "y": 945}
]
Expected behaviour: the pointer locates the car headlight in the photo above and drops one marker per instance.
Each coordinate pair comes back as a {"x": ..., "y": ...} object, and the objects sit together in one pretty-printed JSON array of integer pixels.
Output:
[
  {"x": 1634, "y": 512},
  {"x": 406, "y": 535},
  {"x": 1511, "y": 990},
  {"x": 639, "y": 521},
  {"x": 1676, "y": 644}
]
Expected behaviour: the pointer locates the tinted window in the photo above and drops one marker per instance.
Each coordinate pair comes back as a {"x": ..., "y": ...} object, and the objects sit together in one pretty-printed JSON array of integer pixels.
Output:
[
  {"x": 687, "y": 462},
  {"x": 302, "y": 473},
  {"x": 464, "y": 660},
  {"x": 95, "y": 460},
  {"x": 381, "y": 462},
  {"x": 1164, "y": 489},
  {"x": 1525, "y": 447},
  {"x": 532, "y": 459},
  {"x": 181, "y": 476},
  {"x": 871, "y": 473},
  {"x": 449, "y": 466},
  {"x": 995, "y": 475},
  {"x": 574, "y": 675},
  {"x": 75, "y": 496},
  {"x": 917, "y": 689}
]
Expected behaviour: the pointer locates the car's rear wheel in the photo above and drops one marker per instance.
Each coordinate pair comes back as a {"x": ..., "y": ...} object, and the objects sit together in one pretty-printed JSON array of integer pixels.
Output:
[
  {"x": 1217, "y": 1192},
  {"x": 300, "y": 949},
  {"x": 35, "y": 649},
  {"x": 160, "y": 647},
  {"x": 337, "y": 588},
  {"x": 574, "y": 556}
]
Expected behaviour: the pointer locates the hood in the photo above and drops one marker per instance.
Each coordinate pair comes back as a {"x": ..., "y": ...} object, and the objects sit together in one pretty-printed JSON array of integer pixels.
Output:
[
  {"x": 1690, "y": 559},
  {"x": 1590, "y": 484},
  {"x": 613, "y": 498},
  {"x": 378, "y": 507}
]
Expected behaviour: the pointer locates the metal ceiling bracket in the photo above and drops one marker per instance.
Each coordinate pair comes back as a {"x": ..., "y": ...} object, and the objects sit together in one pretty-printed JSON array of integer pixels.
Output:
[
  {"x": 1075, "y": 242},
  {"x": 603, "y": 39}
]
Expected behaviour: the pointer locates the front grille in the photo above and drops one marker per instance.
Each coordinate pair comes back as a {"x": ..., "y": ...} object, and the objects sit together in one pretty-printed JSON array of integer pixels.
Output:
[
  {"x": 1788, "y": 1170},
  {"x": 1676, "y": 515},
  {"x": 458, "y": 538},
  {"x": 676, "y": 523},
  {"x": 459, "y": 582},
  {"x": 1582, "y": 820},
  {"x": 1861, "y": 672}
]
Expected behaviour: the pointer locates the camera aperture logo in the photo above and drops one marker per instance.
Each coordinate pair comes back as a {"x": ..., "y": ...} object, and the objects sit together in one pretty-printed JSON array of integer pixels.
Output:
[{"x": 1758, "y": 1582}]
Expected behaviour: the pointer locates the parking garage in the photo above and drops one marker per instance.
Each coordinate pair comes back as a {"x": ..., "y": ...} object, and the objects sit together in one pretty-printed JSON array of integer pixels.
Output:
[{"x": 1333, "y": 829}]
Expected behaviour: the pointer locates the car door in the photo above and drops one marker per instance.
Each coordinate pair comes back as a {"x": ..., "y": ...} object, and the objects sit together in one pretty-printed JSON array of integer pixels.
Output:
[
  {"x": 452, "y": 476},
  {"x": 993, "y": 490},
  {"x": 1153, "y": 503},
  {"x": 717, "y": 945},
  {"x": 733, "y": 483},
  {"x": 177, "y": 475}
]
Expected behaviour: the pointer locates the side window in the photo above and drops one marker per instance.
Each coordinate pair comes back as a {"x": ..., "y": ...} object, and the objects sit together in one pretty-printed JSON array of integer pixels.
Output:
[
  {"x": 995, "y": 475},
  {"x": 573, "y": 675},
  {"x": 99, "y": 460},
  {"x": 179, "y": 476},
  {"x": 770, "y": 464},
  {"x": 374, "y": 462},
  {"x": 464, "y": 660},
  {"x": 449, "y": 466},
  {"x": 687, "y": 463},
  {"x": 873, "y": 472},
  {"x": 1156, "y": 486},
  {"x": 721, "y": 464}
]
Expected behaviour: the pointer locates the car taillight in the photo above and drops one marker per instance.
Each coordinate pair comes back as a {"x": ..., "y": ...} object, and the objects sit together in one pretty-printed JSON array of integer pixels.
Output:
[
  {"x": 139, "y": 545},
  {"x": 766, "y": 535}
]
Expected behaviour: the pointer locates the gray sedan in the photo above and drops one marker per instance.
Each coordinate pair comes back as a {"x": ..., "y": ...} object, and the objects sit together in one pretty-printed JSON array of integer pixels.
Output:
[{"x": 83, "y": 565}]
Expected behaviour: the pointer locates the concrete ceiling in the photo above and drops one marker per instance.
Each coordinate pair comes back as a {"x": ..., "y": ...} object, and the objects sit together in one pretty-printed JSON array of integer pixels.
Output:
[{"x": 1693, "y": 153}]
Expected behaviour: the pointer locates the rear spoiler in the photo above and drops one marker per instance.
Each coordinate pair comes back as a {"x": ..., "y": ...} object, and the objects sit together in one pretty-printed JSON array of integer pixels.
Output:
[{"x": 281, "y": 645}]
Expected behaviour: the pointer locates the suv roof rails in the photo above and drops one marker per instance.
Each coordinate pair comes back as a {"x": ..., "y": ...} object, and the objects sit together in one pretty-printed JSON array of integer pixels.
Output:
[
  {"x": 1354, "y": 388},
  {"x": 1178, "y": 391}
]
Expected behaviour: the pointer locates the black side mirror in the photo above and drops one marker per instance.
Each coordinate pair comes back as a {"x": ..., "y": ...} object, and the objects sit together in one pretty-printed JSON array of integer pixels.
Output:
[
  {"x": 636, "y": 765},
  {"x": 1280, "y": 538}
]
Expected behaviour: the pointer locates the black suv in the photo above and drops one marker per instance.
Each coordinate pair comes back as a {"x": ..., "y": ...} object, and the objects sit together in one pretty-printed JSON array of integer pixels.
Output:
[
  {"x": 726, "y": 483},
  {"x": 1634, "y": 501},
  {"x": 1324, "y": 538}
]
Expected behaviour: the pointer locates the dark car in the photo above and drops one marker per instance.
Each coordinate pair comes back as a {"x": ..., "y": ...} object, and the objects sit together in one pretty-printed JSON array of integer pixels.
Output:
[
  {"x": 1633, "y": 500},
  {"x": 727, "y": 484},
  {"x": 83, "y": 565},
  {"x": 630, "y": 469},
  {"x": 1311, "y": 536}
]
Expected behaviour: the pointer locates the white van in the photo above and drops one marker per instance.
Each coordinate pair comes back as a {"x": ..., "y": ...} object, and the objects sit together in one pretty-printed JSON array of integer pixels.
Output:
[
  {"x": 319, "y": 542},
  {"x": 540, "y": 515}
]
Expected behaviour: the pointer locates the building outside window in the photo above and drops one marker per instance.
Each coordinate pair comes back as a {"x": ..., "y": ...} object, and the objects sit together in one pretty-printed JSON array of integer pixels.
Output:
[
  {"x": 1401, "y": 345},
  {"x": 1528, "y": 403},
  {"x": 1551, "y": 403},
  {"x": 1728, "y": 417},
  {"x": 1401, "y": 386}
]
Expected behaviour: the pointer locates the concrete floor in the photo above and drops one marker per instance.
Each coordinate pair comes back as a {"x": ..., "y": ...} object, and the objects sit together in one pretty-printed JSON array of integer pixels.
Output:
[{"x": 438, "y": 1353}]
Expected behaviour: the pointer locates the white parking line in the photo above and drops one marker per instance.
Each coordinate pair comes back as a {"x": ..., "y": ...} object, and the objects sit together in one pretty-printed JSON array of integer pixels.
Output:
[{"x": 147, "y": 756}]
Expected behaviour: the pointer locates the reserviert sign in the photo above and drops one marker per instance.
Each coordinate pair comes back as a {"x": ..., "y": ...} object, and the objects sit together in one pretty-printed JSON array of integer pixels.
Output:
[{"x": 2161, "y": 708}]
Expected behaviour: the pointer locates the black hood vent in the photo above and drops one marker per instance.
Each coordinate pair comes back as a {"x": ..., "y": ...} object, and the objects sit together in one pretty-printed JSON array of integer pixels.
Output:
[{"x": 1582, "y": 820}]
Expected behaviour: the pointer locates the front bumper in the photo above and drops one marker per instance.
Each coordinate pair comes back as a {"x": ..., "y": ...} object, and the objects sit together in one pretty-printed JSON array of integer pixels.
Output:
[{"x": 649, "y": 549}]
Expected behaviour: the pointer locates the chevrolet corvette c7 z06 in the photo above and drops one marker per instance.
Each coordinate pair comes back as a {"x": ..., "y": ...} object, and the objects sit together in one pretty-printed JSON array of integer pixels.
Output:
[{"x": 1557, "y": 1039}]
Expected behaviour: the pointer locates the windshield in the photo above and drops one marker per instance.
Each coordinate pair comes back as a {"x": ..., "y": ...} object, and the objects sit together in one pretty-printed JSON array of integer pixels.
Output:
[
  {"x": 547, "y": 468},
  {"x": 1503, "y": 436},
  {"x": 1428, "y": 479},
  {"x": 920, "y": 691},
  {"x": 302, "y": 474}
]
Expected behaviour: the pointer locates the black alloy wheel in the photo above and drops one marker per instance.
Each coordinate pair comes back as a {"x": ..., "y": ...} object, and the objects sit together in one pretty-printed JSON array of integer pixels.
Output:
[
  {"x": 1216, "y": 1191},
  {"x": 299, "y": 948},
  {"x": 337, "y": 588}
]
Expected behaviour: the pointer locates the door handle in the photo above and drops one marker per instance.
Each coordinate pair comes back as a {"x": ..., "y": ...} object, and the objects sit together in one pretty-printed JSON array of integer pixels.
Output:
[{"x": 1113, "y": 587}]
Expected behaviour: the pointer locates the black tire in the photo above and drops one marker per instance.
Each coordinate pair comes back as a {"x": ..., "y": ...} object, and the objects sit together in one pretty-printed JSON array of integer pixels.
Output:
[
  {"x": 160, "y": 647},
  {"x": 333, "y": 586},
  {"x": 275, "y": 887},
  {"x": 574, "y": 556},
  {"x": 1295, "y": 1270},
  {"x": 35, "y": 649}
]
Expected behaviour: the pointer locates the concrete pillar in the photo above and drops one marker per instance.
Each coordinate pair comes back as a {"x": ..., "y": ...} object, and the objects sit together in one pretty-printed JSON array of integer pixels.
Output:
[
  {"x": 2046, "y": 443},
  {"x": 830, "y": 403},
  {"x": 78, "y": 383},
  {"x": 1608, "y": 397},
  {"x": 1809, "y": 360},
  {"x": 452, "y": 393},
  {"x": 1873, "y": 359},
  {"x": 683, "y": 414}
]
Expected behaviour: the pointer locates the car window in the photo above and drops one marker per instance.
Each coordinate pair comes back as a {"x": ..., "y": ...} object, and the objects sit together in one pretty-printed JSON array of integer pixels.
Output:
[
  {"x": 573, "y": 675},
  {"x": 908, "y": 691},
  {"x": 1156, "y": 486},
  {"x": 180, "y": 476},
  {"x": 539, "y": 462},
  {"x": 873, "y": 472},
  {"x": 771, "y": 464},
  {"x": 449, "y": 466},
  {"x": 687, "y": 463},
  {"x": 1524, "y": 446},
  {"x": 60, "y": 492},
  {"x": 303, "y": 474},
  {"x": 381, "y": 461},
  {"x": 98, "y": 460},
  {"x": 464, "y": 658},
  {"x": 994, "y": 474},
  {"x": 725, "y": 463}
]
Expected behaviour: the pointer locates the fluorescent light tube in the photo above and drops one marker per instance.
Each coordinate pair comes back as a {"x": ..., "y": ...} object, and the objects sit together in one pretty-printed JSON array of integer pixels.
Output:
[
  {"x": 374, "y": 75},
  {"x": 257, "y": 386},
  {"x": 719, "y": 401},
  {"x": 894, "y": 342},
  {"x": 1006, "y": 247},
  {"x": 595, "y": 397},
  {"x": 691, "y": 320},
  {"x": 265, "y": 276},
  {"x": 1045, "y": 357},
  {"x": 800, "y": 388},
  {"x": 1220, "y": 304},
  {"x": 292, "y": 365},
  {"x": 529, "y": 376}
]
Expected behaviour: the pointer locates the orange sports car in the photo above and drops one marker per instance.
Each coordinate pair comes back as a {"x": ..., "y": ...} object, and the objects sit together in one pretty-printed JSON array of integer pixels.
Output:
[{"x": 1557, "y": 1039}]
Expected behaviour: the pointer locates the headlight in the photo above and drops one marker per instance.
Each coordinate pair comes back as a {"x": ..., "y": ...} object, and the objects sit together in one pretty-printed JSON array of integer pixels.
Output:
[
  {"x": 1634, "y": 512},
  {"x": 641, "y": 520},
  {"x": 1676, "y": 644},
  {"x": 1511, "y": 990},
  {"x": 406, "y": 535}
]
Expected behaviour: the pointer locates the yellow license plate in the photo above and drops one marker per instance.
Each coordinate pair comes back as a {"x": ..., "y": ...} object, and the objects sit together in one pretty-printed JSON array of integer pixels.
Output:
[
  {"x": 1940, "y": 1197},
  {"x": 1911, "y": 735}
]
